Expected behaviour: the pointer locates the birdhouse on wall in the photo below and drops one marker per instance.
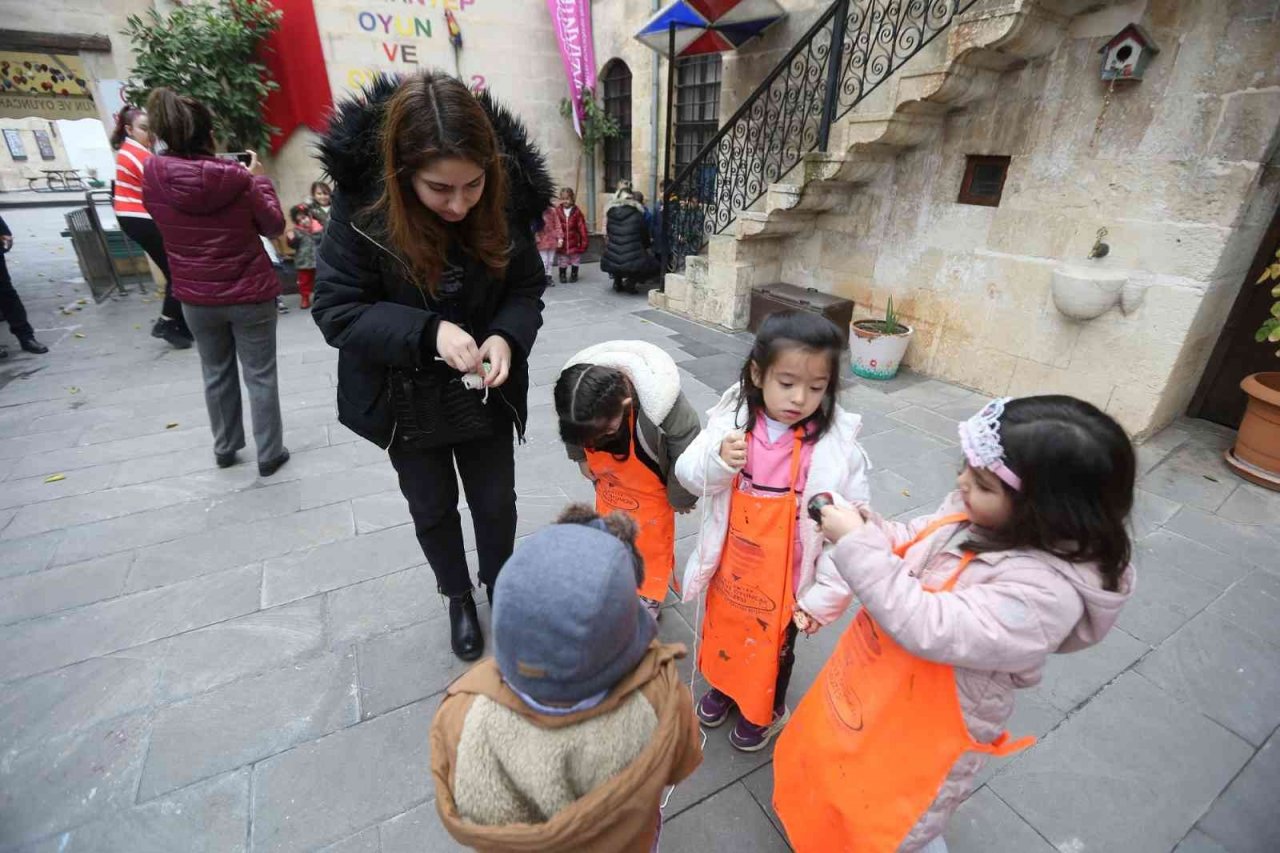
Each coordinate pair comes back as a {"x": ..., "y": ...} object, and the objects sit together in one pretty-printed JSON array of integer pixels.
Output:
[{"x": 1127, "y": 55}]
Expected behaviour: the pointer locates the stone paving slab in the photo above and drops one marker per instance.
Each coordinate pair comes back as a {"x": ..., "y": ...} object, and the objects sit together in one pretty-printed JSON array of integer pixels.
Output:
[
  {"x": 247, "y": 721},
  {"x": 1131, "y": 771},
  {"x": 150, "y": 600},
  {"x": 325, "y": 790},
  {"x": 42, "y": 645},
  {"x": 1245, "y": 818}
]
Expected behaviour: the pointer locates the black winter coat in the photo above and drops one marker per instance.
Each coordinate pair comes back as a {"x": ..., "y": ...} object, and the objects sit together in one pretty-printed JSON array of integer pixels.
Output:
[
  {"x": 367, "y": 305},
  {"x": 626, "y": 245}
]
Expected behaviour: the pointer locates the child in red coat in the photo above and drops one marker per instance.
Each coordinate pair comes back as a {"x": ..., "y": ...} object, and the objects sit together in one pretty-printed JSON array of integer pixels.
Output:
[{"x": 574, "y": 225}]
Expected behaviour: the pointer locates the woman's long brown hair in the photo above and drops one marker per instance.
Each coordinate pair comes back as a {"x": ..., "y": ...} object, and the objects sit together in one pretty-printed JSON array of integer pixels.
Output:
[
  {"x": 432, "y": 116},
  {"x": 184, "y": 124}
]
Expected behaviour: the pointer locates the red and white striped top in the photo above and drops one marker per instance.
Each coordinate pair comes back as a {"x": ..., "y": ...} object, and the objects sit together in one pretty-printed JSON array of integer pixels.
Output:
[{"x": 130, "y": 161}]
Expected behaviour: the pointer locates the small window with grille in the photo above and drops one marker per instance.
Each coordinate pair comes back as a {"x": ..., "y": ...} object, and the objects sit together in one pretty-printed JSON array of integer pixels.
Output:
[
  {"x": 697, "y": 105},
  {"x": 983, "y": 181},
  {"x": 615, "y": 83}
]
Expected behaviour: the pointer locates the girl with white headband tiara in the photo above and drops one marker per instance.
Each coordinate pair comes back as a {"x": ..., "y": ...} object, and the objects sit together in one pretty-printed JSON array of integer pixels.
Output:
[{"x": 1027, "y": 557}]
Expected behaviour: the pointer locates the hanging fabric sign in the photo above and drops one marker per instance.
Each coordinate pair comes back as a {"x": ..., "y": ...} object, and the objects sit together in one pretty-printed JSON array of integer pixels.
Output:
[
  {"x": 42, "y": 85},
  {"x": 572, "y": 20}
]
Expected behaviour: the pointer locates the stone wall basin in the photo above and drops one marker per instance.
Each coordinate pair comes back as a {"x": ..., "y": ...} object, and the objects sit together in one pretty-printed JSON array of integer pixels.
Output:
[{"x": 1087, "y": 292}]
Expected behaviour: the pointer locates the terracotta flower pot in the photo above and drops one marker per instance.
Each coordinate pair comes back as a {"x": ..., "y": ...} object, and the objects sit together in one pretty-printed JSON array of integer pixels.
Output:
[
  {"x": 874, "y": 354},
  {"x": 1256, "y": 455}
]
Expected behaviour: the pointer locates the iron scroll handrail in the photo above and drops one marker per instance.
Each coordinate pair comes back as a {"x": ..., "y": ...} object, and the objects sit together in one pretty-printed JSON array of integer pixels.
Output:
[{"x": 853, "y": 47}]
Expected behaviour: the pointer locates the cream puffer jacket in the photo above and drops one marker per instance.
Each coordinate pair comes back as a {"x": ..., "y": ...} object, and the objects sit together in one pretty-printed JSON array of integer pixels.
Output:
[
  {"x": 838, "y": 466},
  {"x": 1008, "y": 612}
]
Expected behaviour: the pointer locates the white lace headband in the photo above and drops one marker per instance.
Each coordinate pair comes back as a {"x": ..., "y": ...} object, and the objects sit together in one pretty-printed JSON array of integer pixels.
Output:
[{"x": 980, "y": 440}]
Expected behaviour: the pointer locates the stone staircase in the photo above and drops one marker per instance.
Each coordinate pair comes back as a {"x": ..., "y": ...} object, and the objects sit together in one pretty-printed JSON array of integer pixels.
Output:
[{"x": 909, "y": 108}]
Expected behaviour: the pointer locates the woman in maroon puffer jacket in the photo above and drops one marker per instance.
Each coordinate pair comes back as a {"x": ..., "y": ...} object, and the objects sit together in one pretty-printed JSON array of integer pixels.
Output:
[{"x": 212, "y": 213}]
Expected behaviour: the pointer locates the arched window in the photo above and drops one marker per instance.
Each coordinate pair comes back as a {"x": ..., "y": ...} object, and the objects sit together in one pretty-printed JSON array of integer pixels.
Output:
[{"x": 616, "y": 84}]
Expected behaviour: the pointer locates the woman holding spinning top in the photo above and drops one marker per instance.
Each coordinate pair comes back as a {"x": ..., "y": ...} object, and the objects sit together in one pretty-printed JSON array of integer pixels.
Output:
[{"x": 430, "y": 285}]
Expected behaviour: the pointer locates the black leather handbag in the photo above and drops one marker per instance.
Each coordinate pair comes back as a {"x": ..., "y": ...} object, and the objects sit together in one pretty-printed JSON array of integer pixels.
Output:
[{"x": 434, "y": 409}]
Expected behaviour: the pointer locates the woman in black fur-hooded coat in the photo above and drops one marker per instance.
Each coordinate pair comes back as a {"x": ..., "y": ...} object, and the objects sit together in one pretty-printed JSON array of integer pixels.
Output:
[{"x": 428, "y": 261}]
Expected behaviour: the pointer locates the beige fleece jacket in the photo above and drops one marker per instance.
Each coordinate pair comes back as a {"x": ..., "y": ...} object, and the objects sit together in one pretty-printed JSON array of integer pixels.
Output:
[{"x": 511, "y": 779}]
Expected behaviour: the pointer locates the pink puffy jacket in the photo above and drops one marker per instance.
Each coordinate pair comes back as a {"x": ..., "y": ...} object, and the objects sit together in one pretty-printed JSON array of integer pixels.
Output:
[
  {"x": 212, "y": 215},
  {"x": 1008, "y": 612}
]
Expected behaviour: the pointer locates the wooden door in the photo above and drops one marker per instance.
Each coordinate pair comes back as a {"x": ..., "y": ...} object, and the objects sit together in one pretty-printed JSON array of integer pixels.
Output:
[{"x": 1237, "y": 354}]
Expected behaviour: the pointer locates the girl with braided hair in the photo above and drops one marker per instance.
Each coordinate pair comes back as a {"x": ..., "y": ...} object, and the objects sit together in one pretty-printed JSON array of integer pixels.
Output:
[{"x": 624, "y": 420}]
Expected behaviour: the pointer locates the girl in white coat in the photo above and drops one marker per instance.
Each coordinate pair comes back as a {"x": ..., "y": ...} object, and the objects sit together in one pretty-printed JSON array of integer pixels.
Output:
[{"x": 773, "y": 441}]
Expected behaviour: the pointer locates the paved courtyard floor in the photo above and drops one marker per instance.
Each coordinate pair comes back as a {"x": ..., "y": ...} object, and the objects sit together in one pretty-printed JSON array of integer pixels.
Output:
[{"x": 195, "y": 659}]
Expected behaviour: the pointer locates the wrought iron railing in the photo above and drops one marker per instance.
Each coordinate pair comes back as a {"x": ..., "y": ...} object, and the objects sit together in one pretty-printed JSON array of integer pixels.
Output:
[{"x": 853, "y": 47}]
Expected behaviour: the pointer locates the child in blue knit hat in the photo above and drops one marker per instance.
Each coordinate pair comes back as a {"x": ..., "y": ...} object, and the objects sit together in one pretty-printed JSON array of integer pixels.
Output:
[{"x": 566, "y": 738}]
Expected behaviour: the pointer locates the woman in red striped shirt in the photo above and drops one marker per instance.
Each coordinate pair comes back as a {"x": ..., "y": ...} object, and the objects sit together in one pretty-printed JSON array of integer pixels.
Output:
[{"x": 132, "y": 141}]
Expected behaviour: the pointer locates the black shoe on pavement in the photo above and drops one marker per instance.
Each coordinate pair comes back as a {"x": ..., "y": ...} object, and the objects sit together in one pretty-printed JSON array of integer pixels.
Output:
[
  {"x": 30, "y": 344},
  {"x": 551, "y": 282},
  {"x": 266, "y": 469},
  {"x": 172, "y": 332},
  {"x": 464, "y": 627},
  {"x": 573, "y": 274},
  {"x": 226, "y": 460},
  {"x": 563, "y": 279}
]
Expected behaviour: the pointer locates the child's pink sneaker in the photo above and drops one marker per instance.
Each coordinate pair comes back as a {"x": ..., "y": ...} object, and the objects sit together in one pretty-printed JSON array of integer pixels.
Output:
[
  {"x": 713, "y": 708},
  {"x": 748, "y": 737}
]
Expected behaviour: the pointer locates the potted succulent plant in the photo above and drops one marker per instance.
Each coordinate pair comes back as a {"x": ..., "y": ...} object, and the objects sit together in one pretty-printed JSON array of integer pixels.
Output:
[
  {"x": 1256, "y": 455},
  {"x": 876, "y": 347}
]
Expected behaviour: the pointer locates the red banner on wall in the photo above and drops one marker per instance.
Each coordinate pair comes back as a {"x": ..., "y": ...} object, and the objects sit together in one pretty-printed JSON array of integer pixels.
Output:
[
  {"x": 572, "y": 20},
  {"x": 296, "y": 61}
]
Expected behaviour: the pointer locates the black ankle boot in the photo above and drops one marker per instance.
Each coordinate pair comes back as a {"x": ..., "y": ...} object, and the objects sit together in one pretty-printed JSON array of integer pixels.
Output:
[
  {"x": 563, "y": 280},
  {"x": 464, "y": 627},
  {"x": 573, "y": 274}
]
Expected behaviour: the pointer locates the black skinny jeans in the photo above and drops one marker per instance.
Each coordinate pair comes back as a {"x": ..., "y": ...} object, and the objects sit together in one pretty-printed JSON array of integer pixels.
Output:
[
  {"x": 145, "y": 233},
  {"x": 786, "y": 663},
  {"x": 427, "y": 480},
  {"x": 11, "y": 307}
]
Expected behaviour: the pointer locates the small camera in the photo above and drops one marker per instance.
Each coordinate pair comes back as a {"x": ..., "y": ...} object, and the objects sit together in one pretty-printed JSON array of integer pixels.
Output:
[{"x": 816, "y": 503}]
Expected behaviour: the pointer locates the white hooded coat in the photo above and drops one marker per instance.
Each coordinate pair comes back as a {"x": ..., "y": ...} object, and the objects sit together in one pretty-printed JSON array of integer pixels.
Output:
[{"x": 838, "y": 466}]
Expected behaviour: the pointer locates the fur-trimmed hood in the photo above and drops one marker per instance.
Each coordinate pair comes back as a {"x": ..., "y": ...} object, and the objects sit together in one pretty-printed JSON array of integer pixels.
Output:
[
  {"x": 652, "y": 372},
  {"x": 351, "y": 155}
]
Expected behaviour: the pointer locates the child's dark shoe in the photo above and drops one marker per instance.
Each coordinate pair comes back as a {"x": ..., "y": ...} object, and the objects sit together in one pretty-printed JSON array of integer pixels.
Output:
[
  {"x": 748, "y": 737},
  {"x": 713, "y": 708}
]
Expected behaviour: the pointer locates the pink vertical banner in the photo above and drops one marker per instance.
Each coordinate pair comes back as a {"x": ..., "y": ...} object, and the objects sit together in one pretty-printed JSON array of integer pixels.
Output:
[{"x": 572, "y": 20}]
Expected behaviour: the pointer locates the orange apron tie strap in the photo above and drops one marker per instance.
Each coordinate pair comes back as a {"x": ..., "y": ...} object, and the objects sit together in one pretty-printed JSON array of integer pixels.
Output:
[{"x": 938, "y": 523}]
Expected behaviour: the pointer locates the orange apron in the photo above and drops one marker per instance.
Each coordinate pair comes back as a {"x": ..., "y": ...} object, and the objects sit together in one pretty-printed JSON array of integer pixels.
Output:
[
  {"x": 749, "y": 601},
  {"x": 873, "y": 740},
  {"x": 631, "y": 486}
]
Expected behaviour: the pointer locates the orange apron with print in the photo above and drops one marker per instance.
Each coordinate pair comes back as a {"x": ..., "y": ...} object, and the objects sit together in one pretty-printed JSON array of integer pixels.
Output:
[
  {"x": 633, "y": 487},
  {"x": 873, "y": 740},
  {"x": 749, "y": 601}
]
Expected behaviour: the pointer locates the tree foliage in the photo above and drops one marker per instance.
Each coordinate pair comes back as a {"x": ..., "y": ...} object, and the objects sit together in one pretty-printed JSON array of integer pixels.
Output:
[
  {"x": 209, "y": 51},
  {"x": 597, "y": 125}
]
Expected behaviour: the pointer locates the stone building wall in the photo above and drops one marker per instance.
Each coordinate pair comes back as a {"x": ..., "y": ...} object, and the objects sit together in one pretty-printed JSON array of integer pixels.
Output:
[
  {"x": 14, "y": 173},
  {"x": 508, "y": 48},
  {"x": 1181, "y": 169}
]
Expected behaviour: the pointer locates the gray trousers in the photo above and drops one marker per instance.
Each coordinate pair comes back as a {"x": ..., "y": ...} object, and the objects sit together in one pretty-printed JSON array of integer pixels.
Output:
[{"x": 222, "y": 333}]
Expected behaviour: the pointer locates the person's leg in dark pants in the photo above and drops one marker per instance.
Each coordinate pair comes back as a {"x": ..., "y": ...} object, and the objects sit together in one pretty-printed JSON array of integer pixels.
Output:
[
  {"x": 430, "y": 486},
  {"x": 145, "y": 233},
  {"x": 11, "y": 306},
  {"x": 786, "y": 663},
  {"x": 216, "y": 344},
  {"x": 487, "y": 468}
]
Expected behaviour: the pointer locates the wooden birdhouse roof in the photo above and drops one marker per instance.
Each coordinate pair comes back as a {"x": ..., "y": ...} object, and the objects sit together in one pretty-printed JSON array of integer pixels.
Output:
[{"x": 1134, "y": 31}]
